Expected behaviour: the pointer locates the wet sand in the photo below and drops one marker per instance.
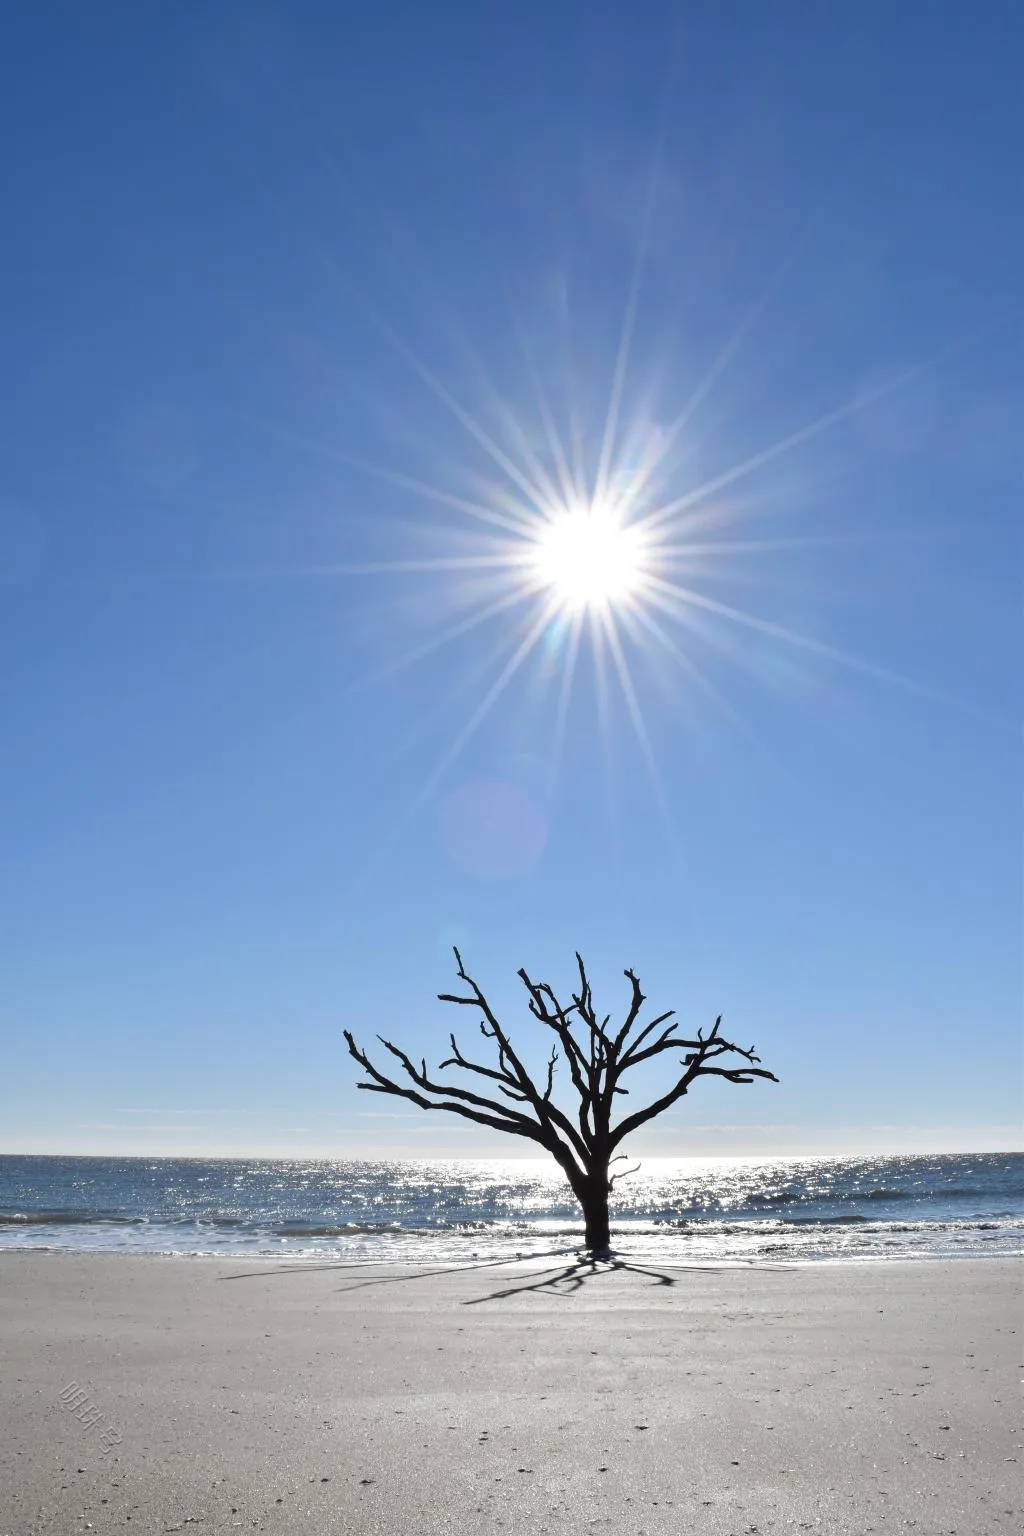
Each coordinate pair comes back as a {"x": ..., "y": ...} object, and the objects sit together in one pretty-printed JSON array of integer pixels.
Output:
[{"x": 526, "y": 1397}]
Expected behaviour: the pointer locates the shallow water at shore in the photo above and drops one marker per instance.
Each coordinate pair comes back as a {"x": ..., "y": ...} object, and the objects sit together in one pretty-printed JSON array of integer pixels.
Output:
[{"x": 683, "y": 1211}]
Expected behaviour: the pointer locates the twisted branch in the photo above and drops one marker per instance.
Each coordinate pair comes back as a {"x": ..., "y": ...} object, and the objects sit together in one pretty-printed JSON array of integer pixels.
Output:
[{"x": 597, "y": 1061}]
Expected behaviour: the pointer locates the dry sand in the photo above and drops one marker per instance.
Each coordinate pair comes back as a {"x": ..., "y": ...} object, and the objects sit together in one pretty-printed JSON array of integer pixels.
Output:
[{"x": 254, "y": 1396}]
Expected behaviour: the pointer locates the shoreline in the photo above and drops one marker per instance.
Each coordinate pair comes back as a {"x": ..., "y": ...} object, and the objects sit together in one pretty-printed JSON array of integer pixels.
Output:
[
  {"x": 534, "y": 1395},
  {"x": 312, "y": 1262}
]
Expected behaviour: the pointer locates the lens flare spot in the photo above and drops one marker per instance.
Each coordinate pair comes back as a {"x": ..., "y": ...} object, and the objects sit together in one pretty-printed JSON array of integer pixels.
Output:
[{"x": 494, "y": 830}]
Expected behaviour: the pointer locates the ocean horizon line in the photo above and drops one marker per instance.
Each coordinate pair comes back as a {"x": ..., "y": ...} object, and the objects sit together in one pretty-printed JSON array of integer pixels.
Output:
[{"x": 811, "y": 1152}]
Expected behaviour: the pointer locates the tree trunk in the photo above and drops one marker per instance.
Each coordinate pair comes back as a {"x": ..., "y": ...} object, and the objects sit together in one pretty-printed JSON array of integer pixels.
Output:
[{"x": 594, "y": 1200}]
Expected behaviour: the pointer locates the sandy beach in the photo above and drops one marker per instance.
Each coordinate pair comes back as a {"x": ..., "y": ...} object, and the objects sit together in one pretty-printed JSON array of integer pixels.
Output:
[{"x": 519, "y": 1397}]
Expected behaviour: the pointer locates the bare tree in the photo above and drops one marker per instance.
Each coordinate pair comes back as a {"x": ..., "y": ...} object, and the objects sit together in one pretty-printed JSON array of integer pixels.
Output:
[{"x": 583, "y": 1144}]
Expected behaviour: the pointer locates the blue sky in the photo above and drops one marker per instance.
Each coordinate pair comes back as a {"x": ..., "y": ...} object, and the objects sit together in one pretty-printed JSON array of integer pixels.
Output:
[{"x": 300, "y": 305}]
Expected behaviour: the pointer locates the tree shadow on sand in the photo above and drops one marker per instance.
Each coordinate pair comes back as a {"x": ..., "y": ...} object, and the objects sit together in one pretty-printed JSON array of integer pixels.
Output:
[
  {"x": 567, "y": 1278},
  {"x": 578, "y": 1272}
]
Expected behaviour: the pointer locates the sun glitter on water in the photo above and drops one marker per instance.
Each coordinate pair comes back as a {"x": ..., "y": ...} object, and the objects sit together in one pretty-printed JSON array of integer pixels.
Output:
[{"x": 589, "y": 558}]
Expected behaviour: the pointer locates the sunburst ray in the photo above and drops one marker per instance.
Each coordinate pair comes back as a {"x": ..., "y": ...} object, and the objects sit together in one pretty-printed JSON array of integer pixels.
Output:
[
  {"x": 641, "y": 617},
  {"x": 640, "y": 730},
  {"x": 508, "y": 600},
  {"x": 444, "y": 395},
  {"x": 808, "y": 432},
  {"x": 522, "y": 523},
  {"x": 618, "y": 384},
  {"x": 667, "y": 595},
  {"x": 569, "y": 664},
  {"x": 487, "y": 703}
]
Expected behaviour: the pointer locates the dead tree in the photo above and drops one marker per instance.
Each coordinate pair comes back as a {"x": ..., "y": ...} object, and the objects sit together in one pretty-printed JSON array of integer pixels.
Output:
[{"x": 583, "y": 1144}]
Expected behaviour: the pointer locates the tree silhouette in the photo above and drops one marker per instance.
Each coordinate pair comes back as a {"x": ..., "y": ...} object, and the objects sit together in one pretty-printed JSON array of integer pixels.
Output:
[{"x": 583, "y": 1145}]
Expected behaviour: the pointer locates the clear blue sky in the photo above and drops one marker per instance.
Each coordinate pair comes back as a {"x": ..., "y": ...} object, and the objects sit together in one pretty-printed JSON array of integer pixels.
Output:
[{"x": 290, "y": 291}]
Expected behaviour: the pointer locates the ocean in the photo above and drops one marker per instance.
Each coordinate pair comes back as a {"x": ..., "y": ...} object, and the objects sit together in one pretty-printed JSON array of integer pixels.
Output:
[{"x": 676, "y": 1211}]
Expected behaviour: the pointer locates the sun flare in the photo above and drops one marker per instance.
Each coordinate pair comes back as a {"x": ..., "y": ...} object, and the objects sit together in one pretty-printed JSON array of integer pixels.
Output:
[
  {"x": 588, "y": 543},
  {"x": 589, "y": 558}
]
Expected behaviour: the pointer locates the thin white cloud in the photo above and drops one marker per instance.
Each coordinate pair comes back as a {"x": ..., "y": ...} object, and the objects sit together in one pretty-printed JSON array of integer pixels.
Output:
[
  {"x": 230, "y": 1113},
  {"x": 117, "y": 1111},
  {"x": 727, "y": 1130},
  {"x": 385, "y": 1114},
  {"x": 140, "y": 1129}
]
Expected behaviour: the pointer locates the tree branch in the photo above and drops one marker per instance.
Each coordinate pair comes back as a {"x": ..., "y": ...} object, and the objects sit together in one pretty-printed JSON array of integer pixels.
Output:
[
  {"x": 559, "y": 1019},
  {"x": 623, "y": 1173},
  {"x": 597, "y": 1062},
  {"x": 501, "y": 1119},
  {"x": 700, "y": 1051}
]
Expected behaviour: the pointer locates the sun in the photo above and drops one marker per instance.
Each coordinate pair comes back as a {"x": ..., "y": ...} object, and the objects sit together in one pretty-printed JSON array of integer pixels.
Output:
[{"x": 588, "y": 557}]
